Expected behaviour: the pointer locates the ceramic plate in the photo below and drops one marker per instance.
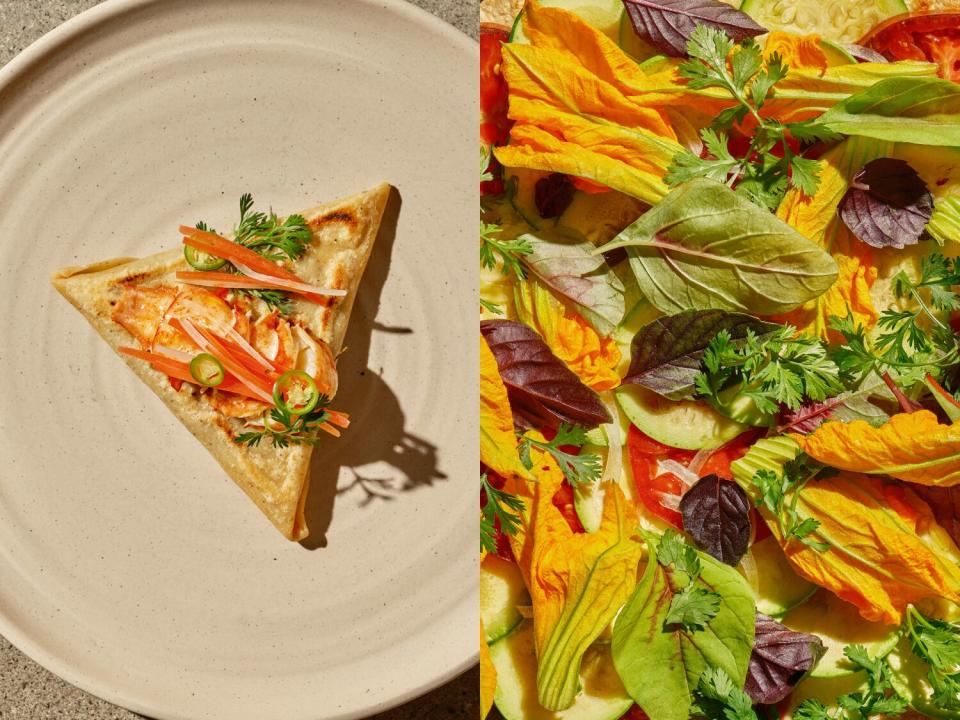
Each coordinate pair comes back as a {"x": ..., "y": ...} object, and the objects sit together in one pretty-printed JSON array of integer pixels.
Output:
[{"x": 129, "y": 563}]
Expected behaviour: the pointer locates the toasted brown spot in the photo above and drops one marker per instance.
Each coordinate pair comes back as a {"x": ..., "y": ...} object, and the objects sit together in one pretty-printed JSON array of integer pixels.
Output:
[
  {"x": 340, "y": 216},
  {"x": 133, "y": 278}
]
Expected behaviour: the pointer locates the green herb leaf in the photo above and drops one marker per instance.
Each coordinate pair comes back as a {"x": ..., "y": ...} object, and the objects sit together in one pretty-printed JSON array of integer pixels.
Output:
[
  {"x": 760, "y": 175},
  {"x": 662, "y": 663},
  {"x": 937, "y": 643},
  {"x": 578, "y": 469},
  {"x": 777, "y": 369},
  {"x": 780, "y": 493},
  {"x": 704, "y": 246},
  {"x": 494, "y": 250},
  {"x": 502, "y": 510},
  {"x": 293, "y": 429},
  {"x": 718, "y": 697},
  {"x": 693, "y": 609}
]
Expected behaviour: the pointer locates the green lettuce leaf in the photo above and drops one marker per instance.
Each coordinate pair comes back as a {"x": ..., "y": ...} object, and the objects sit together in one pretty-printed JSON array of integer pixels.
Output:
[
  {"x": 660, "y": 663},
  {"x": 924, "y": 111},
  {"x": 704, "y": 246},
  {"x": 564, "y": 261}
]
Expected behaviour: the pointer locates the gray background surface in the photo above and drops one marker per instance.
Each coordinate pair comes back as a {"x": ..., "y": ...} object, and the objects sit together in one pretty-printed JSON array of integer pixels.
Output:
[{"x": 28, "y": 691}]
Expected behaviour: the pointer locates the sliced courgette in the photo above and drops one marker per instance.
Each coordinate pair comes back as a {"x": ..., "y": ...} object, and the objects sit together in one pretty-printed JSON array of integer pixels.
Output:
[
  {"x": 910, "y": 680},
  {"x": 602, "y": 695},
  {"x": 685, "y": 424},
  {"x": 839, "y": 20},
  {"x": 776, "y": 586},
  {"x": 838, "y": 624},
  {"x": 501, "y": 590}
]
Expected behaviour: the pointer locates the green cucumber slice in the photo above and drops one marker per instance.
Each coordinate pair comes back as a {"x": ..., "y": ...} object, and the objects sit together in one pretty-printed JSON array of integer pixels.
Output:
[
  {"x": 501, "y": 590},
  {"x": 631, "y": 43},
  {"x": 685, "y": 424},
  {"x": 839, "y": 20},
  {"x": 909, "y": 679},
  {"x": 777, "y": 587},
  {"x": 602, "y": 696},
  {"x": 838, "y": 624}
]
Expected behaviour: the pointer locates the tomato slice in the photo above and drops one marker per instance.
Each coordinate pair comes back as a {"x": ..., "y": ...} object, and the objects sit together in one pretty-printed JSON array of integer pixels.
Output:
[
  {"x": 927, "y": 36},
  {"x": 494, "y": 125},
  {"x": 660, "y": 492}
]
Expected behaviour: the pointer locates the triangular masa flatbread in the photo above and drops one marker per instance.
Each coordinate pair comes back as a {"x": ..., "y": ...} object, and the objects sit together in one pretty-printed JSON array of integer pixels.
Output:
[{"x": 276, "y": 479}]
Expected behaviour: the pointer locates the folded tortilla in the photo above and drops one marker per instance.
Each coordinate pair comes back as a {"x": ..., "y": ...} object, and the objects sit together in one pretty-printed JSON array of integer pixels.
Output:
[{"x": 276, "y": 479}]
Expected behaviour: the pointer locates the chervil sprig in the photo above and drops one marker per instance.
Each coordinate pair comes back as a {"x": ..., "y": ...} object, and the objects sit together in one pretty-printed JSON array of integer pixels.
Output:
[
  {"x": 578, "y": 469},
  {"x": 782, "y": 368},
  {"x": 501, "y": 508},
  {"x": 750, "y": 80},
  {"x": 269, "y": 236}
]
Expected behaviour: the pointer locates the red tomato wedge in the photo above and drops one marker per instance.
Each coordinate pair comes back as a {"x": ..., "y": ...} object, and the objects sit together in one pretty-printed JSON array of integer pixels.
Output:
[
  {"x": 494, "y": 124},
  {"x": 927, "y": 36},
  {"x": 660, "y": 492},
  {"x": 181, "y": 371}
]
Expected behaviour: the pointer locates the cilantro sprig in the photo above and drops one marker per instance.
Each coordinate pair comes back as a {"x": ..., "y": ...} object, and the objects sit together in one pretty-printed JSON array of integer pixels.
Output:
[
  {"x": 911, "y": 341},
  {"x": 502, "y": 510},
  {"x": 879, "y": 697},
  {"x": 750, "y": 80},
  {"x": 286, "y": 429},
  {"x": 782, "y": 368},
  {"x": 718, "y": 696},
  {"x": 692, "y": 607},
  {"x": 780, "y": 495},
  {"x": 578, "y": 469},
  {"x": 937, "y": 643}
]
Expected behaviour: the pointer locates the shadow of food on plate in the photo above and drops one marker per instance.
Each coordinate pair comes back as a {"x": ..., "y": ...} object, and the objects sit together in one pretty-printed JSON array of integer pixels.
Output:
[{"x": 343, "y": 468}]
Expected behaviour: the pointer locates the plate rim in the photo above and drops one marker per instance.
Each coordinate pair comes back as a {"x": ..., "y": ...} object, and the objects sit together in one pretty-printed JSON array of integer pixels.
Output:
[{"x": 100, "y": 14}]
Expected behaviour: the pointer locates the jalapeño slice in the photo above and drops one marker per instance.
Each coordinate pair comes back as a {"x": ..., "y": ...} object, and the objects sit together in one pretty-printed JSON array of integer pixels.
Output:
[
  {"x": 200, "y": 260},
  {"x": 296, "y": 392},
  {"x": 206, "y": 370}
]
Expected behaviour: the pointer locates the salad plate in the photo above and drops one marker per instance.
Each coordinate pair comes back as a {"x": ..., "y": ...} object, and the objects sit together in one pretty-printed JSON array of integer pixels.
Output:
[
  {"x": 130, "y": 564},
  {"x": 720, "y": 320}
]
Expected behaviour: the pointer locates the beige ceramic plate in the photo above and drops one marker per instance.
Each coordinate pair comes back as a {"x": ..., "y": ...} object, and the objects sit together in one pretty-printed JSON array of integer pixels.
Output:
[{"x": 129, "y": 563}]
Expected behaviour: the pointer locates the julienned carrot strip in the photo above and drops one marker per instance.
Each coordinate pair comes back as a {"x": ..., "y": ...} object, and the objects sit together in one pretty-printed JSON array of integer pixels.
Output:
[
  {"x": 213, "y": 244},
  {"x": 339, "y": 419},
  {"x": 252, "y": 365},
  {"x": 181, "y": 371},
  {"x": 211, "y": 344}
]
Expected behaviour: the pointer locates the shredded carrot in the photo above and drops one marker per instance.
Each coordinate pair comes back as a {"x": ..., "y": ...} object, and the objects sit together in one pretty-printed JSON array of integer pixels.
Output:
[{"x": 181, "y": 371}]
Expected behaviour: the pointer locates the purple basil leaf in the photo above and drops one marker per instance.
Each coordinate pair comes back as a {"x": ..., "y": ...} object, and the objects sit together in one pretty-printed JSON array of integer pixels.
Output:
[
  {"x": 543, "y": 391},
  {"x": 808, "y": 417},
  {"x": 887, "y": 204},
  {"x": 716, "y": 514},
  {"x": 780, "y": 659},
  {"x": 553, "y": 195},
  {"x": 668, "y": 24},
  {"x": 863, "y": 54},
  {"x": 860, "y": 403},
  {"x": 666, "y": 353}
]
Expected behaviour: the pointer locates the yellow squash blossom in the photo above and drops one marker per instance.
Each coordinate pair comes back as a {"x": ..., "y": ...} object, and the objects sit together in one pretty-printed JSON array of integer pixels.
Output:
[
  {"x": 569, "y": 336},
  {"x": 796, "y": 51},
  {"x": 577, "y": 581},
  {"x": 583, "y": 107},
  {"x": 498, "y": 442},
  {"x": 910, "y": 446},
  {"x": 850, "y": 293},
  {"x": 488, "y": 676},
  {"x": 886, "y": 550}
]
